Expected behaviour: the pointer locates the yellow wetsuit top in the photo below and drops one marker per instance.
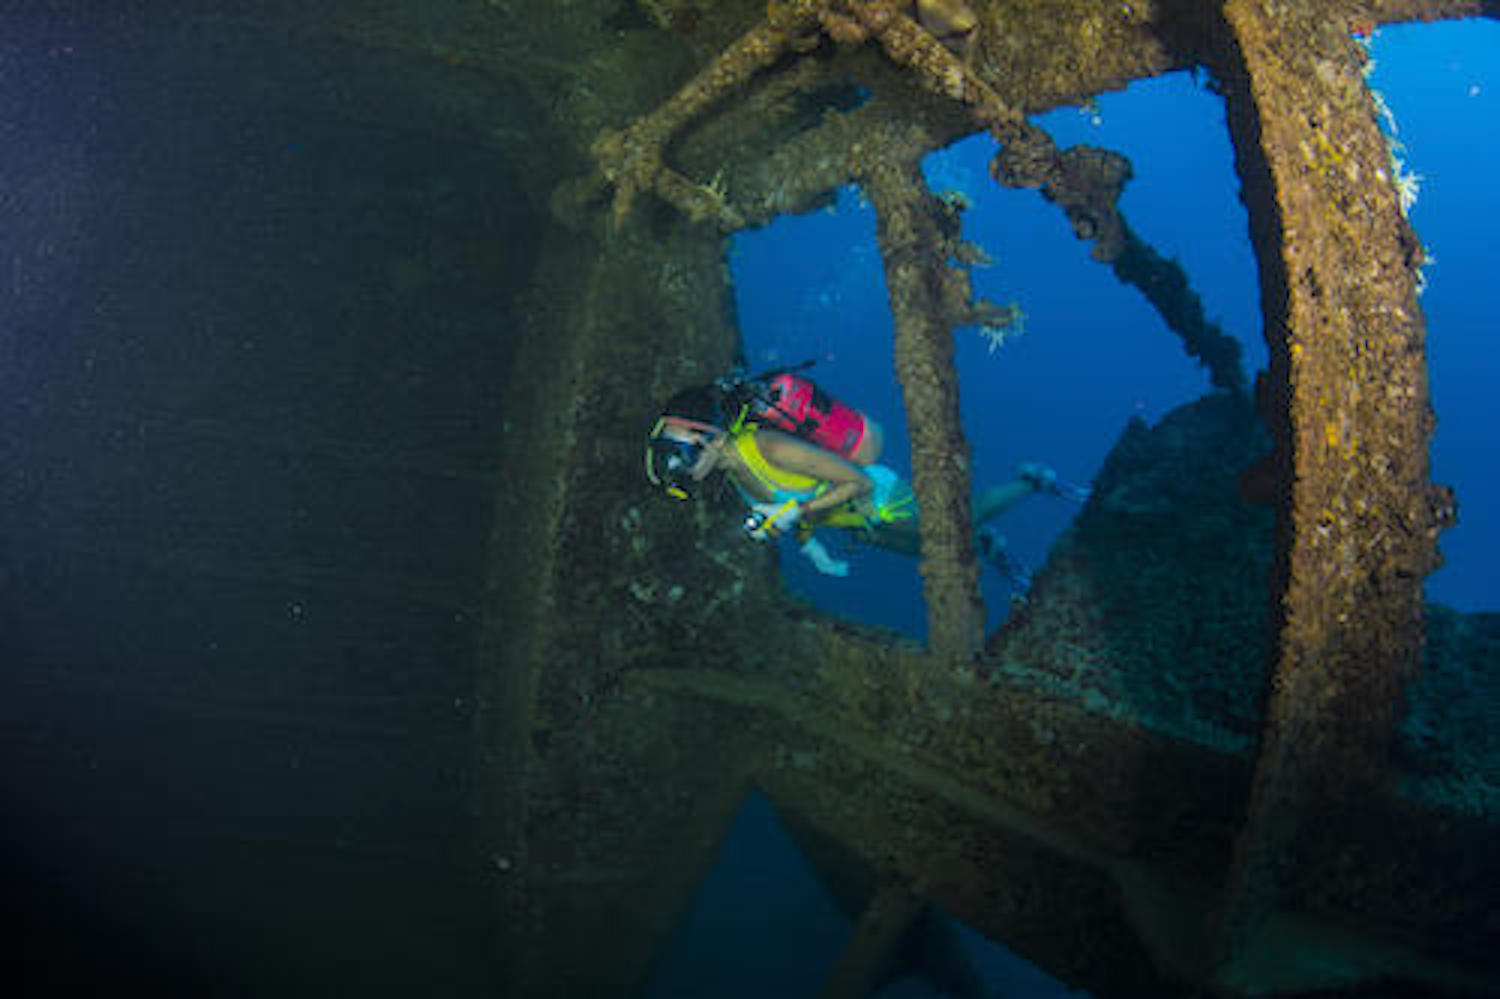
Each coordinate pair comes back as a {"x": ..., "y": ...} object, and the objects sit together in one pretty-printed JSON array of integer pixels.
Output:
[
  {"x": 780, "y": 483},
  {"x": 892, "y": 500}
]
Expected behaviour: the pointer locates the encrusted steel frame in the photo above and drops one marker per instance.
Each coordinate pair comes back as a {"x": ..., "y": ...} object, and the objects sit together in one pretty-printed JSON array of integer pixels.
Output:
[{"x": 613, "y": 773}]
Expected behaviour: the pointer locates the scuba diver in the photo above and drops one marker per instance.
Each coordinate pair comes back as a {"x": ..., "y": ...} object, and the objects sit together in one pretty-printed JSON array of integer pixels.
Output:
[{"x": 802, "y": 460}]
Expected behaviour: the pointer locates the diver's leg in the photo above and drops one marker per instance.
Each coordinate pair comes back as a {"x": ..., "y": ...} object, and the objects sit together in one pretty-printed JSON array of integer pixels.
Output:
[
  {"x": 870, "y": 445},
  {"x": 993, "y": 548},
  {"x": 1030, "y": 478},
  {"x": 997, "y": 499},
  {"x": 901, "y": 537},
  {"x": 904, "y": 536}
]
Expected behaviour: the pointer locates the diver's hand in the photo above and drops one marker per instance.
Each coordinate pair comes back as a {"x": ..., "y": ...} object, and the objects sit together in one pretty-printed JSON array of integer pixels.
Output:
[
  {"x": 822, "y": 560},
  {"x": 767, "y": 520}
]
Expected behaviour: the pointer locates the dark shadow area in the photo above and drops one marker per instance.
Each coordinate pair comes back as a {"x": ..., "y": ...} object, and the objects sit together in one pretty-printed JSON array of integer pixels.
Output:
[
  {"x": 253, "y": 321},
  {"x": 761, "y": 924},
  {"x": 991, "y": 969}
]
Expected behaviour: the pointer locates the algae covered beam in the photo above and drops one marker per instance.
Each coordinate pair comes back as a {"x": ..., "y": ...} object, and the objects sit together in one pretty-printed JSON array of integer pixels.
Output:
[
  {"x": 919, "y": 283},
  {"x": 891, "y": 911},
  {"x": 1348, "y": 409},
  {"x": 631, "y": 159}
]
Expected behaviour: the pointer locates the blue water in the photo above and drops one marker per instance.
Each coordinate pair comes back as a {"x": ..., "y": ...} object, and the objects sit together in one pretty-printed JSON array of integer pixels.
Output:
[
  {"x": 1094, "y": 354},
  {"x": 1442, "y": 84}
]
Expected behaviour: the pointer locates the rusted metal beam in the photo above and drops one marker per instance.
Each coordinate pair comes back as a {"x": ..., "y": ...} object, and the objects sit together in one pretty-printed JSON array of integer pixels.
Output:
[
  {"x": 1348, "y": 408},
  {"x": 908, "y": 226},
  {"x": 892, "y": 909}
]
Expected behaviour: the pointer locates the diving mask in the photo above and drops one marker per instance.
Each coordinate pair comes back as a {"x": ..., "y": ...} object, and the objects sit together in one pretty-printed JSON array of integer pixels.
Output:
[{"x": 671, "y": 456}]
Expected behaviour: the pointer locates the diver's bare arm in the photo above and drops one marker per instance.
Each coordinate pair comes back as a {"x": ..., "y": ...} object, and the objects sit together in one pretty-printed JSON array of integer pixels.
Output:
[{"x": 846, "y": 481}]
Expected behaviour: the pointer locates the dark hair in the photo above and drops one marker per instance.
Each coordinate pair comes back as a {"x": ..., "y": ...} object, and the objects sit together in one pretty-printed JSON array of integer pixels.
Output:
[{"x": 702, "y": 403}]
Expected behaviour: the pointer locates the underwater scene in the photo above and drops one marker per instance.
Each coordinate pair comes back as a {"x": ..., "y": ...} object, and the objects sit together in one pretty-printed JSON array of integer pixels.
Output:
[{"x": 662, "y": 498}]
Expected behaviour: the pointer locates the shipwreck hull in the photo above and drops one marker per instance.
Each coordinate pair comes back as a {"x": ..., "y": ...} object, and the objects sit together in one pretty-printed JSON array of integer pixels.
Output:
[{"x": 1223, "y": 748}]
